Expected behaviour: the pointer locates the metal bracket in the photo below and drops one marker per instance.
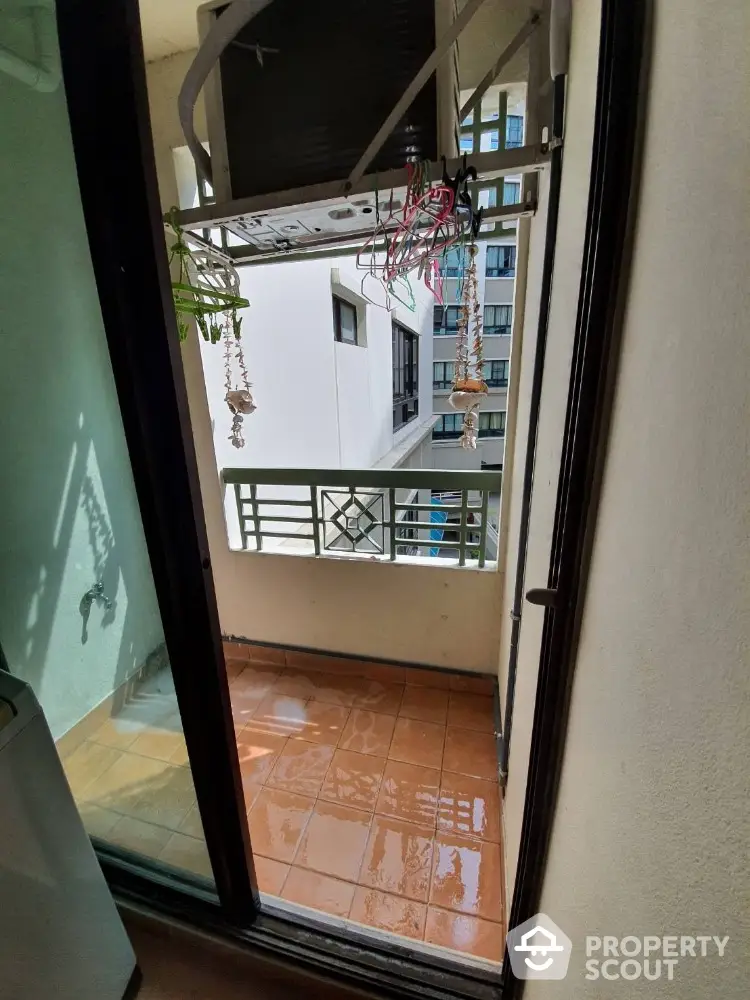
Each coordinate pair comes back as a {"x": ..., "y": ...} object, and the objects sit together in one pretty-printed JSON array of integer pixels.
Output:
[
  {"x": 320, "y": 216},
  {"x": 527, "y": 29}
]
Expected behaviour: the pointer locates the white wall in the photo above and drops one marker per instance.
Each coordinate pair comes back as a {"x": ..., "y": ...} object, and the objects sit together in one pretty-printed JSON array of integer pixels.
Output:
[
  {"x": 68, "y": 512},
  {"x": 651, "y": 829},
  {"x": 563, "y": 306},
  {"x": 414, "y": 613},
  {"x": 321, "y": 404}
]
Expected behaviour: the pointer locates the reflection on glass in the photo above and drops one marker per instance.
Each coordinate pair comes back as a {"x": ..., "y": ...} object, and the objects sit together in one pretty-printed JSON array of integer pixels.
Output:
[{"x": 79, "y": 618}]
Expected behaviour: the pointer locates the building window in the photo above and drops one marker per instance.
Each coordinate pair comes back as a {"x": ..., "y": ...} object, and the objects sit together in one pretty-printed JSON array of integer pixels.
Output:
[
  {"x": 496, "y": 374},
  {"x": 452, "y": 264},
  {"x": 405, "y": 375},
  {"x": 498, "y": 320},
  {"x": 445, "y": 321},
  {"x": 501, "y": 262},
  {"x": 487, "y": 198},
  {"x": 466, "y": 143},
  {"x": 442, "y": 374},
  {"x": 492, "y": 424},
  {"x": 449, "y": 425},
  {"x": 511, "y": 192},
  {"x": 513, "y": 131},
  {"x": 344, "y": 321},
  {"x": 489, "y": 141}
]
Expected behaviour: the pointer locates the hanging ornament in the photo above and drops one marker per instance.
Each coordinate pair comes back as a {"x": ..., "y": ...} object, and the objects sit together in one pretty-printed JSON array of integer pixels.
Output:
[
  {"x": 238, "y": 399},
  {"x": 208, "y": 289},
  {"x": 469, "y": 386}
]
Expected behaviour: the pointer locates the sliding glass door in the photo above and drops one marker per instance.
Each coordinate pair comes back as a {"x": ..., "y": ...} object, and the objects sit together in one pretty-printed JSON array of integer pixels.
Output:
[{"x": 82, "y": 614}]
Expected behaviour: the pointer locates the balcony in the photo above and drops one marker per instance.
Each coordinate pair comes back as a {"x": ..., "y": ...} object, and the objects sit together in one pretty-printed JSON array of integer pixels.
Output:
[
  {"x": 365, "y": 715},
  {"x": 358, "y": 777},
  {"x": 396, "y": 515}
]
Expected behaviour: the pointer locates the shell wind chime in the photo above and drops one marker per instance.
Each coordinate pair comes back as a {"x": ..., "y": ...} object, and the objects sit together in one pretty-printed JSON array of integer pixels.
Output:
[
  {"x": 469, "y": 386},
  {"x": 208, "y": 289}
]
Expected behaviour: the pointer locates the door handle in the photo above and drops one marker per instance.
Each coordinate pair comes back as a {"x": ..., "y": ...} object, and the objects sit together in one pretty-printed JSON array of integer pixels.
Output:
[{"x": 545, "y": 597}]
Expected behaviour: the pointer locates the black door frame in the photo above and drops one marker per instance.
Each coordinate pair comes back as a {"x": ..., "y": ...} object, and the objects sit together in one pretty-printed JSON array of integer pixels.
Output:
[
  {"x": 618, "y": 123},
  {"x": 109, "y": 119},
  {"x": 105, "y": 82}
]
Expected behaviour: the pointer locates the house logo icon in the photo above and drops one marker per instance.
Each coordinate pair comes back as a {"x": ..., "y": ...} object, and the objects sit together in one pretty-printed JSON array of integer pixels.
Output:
[{"x": 538, "y": 949}]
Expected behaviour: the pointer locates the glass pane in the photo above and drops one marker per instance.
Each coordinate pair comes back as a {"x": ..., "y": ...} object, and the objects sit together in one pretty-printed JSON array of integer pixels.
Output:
[
  {"x": 511, "y": 193},
  {"x": 348, "y": 323},
  {"x": 79, "y": 618},
  {"x": 487, "y": 198},
  {"x": 491, "y": 106},
  {"x": 513, "y": 131},
  {"x": 489, "y": 141}
]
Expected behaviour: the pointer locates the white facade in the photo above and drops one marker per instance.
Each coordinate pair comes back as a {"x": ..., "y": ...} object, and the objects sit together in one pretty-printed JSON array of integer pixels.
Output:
[{"x": 321, "y": 404}]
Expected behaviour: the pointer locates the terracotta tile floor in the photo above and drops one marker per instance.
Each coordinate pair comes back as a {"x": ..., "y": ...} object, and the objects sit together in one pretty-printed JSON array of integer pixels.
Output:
[
  {"x": 132, "y": 783},
  {"x": 372, "y": 792}
]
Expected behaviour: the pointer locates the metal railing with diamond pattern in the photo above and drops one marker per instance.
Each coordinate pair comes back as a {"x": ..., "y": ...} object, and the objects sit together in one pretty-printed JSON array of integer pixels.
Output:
[{"x": 387, "y": 514}]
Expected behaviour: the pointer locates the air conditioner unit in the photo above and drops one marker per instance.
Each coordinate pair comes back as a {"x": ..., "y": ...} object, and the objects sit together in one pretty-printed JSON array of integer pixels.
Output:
[
  {"x": 314, "y": 109},
  {"x": 299, "y": 93}
]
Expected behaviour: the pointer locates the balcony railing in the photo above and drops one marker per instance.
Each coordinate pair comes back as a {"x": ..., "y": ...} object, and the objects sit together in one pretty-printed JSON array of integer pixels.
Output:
[{"x": 392, "y": 515}]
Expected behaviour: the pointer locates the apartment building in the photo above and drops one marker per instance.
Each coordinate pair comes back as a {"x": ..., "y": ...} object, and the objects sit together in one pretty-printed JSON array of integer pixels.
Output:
[
  {"x": 496, "y": 268},
  {"x": 339, "y": 382},
  {"x": 340, "y": 370}
]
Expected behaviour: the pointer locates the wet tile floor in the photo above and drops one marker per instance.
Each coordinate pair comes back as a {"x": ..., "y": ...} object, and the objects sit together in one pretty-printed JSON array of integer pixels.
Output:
[
  {"x": 371, "y": 790},
  {"x": 132, "y": 782}
]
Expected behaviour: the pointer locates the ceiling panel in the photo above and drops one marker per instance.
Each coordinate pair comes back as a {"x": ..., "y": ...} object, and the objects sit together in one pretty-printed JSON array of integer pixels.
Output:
[{"x": 168, "y": 26}]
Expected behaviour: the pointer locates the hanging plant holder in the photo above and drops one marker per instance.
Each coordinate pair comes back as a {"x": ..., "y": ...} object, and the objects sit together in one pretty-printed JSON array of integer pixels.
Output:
[{"x": 208, "y": 290}]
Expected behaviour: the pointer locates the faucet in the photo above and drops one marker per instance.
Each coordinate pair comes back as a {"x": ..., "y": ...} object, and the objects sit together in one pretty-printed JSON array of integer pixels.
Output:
[{"x": 94, "y": 593}]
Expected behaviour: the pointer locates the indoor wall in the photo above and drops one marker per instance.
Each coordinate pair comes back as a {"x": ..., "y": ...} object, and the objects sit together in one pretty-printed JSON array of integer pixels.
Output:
[
  {"x": 69, "y": 515},
  {"x": 574, "y": 190}
]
